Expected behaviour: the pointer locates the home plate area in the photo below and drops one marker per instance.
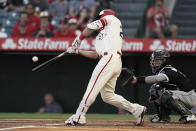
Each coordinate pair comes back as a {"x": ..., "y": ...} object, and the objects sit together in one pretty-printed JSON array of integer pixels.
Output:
[{"x": 92, "y": 125}]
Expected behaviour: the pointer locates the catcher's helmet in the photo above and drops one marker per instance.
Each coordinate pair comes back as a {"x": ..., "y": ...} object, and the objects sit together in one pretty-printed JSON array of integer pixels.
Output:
[
  {"x": 107, "y": 12},
  {"x": 159, "y": 59}
]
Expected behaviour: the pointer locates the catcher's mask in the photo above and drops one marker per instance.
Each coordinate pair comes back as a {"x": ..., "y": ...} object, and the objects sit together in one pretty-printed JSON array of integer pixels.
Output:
[{"x": 159, "y": 59}]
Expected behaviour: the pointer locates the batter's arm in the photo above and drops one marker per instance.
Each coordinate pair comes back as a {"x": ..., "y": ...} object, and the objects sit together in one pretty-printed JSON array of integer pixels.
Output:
[
  {"x": 91, "y": 27},
  {"x": 86, "y": 32},
  {"x": 96, "y": 25},
  {"x": 88, "y": 54}
]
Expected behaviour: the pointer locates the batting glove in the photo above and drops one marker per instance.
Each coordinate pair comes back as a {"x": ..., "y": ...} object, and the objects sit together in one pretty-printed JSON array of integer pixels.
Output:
[
  {"x": 78, "y": 40},
  {"x": 72, "y": 50},
  {"x": 76, "y": 43}
]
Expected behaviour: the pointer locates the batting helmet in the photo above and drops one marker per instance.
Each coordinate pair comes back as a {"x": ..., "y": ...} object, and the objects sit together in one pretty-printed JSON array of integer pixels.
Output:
[
  {"x": 107, "y": 12},
  {"x": 159, "y": 59}
]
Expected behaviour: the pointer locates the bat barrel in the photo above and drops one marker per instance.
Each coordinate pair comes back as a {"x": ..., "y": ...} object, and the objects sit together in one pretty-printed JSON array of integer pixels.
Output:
[{"x": 47, "y": 63}]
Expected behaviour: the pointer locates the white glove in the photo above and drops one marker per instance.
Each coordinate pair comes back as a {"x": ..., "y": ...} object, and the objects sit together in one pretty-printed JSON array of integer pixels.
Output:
[
  {"x": 76, "y": 43},
  {"x": 72, "y": 50}
]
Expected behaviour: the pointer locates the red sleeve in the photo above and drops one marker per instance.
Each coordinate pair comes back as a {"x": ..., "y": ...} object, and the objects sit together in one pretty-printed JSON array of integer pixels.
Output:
[{"x": 103, "y": 21}]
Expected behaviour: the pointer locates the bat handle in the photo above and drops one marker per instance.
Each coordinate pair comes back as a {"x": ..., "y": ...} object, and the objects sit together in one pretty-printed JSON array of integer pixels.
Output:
[{"x": 62, "y": 54}]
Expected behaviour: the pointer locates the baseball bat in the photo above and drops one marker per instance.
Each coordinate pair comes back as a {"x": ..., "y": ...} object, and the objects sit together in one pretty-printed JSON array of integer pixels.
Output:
[{"x": 48, "y": 62}]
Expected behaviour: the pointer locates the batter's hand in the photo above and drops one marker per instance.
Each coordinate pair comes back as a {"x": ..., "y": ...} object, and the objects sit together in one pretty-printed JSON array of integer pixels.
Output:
[
  {"x": 72, "y": 50},
  {"x": 77, "y": 42}
]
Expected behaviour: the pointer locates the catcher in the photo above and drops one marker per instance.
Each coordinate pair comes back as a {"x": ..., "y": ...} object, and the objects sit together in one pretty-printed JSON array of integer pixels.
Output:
[{"x": 171, "y": 89}]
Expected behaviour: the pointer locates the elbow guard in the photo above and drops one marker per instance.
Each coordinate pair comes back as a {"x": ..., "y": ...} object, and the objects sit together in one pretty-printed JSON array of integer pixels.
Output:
[{"x": 95, "y": 25}]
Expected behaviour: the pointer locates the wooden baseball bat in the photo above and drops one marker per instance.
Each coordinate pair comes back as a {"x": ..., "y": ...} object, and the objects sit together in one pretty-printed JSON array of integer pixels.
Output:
[{"x": 48, "y": 62}]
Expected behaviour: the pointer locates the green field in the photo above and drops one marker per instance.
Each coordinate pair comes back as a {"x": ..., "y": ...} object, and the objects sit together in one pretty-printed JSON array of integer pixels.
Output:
[{"x": 65, "y": 116}]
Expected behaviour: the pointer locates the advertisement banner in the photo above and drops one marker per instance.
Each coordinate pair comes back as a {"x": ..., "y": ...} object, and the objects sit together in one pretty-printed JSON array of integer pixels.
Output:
[{"x": 129, "y": 44}]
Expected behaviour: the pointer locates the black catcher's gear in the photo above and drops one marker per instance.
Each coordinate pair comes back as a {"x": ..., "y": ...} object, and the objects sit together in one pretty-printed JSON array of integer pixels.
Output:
[
  {"x": 155, "y": 92},
  {"x": 177, "y": 80},
  {"x": 164, "y": 103},
  {"x": 163, "y": 112},
  {"x": 162, "y": 55}
]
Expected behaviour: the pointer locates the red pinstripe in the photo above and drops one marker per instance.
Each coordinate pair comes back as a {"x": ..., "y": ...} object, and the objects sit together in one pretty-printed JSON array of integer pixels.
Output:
[{"x": 94, "y": 84}]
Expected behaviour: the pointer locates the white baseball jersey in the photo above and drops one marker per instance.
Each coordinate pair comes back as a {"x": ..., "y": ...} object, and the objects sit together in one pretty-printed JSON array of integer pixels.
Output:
[
  {"x": 110, "y": 37},
  {"x": 105, "y": 74}
]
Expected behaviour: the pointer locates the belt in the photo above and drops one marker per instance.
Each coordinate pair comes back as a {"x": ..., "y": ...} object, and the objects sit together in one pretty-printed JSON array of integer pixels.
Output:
[{"x": 106, "y": 53}]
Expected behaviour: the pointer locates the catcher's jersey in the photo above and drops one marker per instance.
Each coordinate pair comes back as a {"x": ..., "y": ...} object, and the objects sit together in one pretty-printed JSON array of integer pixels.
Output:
[
  {"x": 176, "y": 80},
  {"x": 110, "y": 36}
]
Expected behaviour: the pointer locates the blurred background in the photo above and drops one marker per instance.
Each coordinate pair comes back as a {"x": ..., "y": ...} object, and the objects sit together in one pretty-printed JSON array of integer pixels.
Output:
[{"x": 169, "y": 24}]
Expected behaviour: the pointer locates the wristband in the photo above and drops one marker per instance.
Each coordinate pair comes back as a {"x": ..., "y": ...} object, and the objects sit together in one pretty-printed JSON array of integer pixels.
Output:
[
  {"x": 141, "y": 79},
  {"x": 82, "y": 37}
]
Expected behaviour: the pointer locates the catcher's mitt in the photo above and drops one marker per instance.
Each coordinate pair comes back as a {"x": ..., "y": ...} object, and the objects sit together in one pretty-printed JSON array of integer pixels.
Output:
[{"x": 127, "y": 75}]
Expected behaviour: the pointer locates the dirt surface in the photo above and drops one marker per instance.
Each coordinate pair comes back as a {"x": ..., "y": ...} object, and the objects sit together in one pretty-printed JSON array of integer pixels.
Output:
[{"x": 92, "y": 125}]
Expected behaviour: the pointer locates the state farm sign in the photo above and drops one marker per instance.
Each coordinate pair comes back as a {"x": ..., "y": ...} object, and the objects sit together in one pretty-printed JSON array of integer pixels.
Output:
[
  {"x": 182, "y": 46},
  {"x": 132, "y": 45},
  {"x": 129, "y": 45},
  {"x": 31, "y": 44},
  {"x": 149, "y": 45},
  {"x": 35, "y": 44},
  {"x": 42, "y": 44}
]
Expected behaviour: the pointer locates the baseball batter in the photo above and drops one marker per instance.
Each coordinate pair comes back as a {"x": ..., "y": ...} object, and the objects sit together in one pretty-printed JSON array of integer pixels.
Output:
[{"x": 108, "y": 49}]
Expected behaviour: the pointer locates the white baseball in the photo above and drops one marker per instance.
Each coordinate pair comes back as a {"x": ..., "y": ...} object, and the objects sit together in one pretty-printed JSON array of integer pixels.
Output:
[{"x": 35, "y": 59}]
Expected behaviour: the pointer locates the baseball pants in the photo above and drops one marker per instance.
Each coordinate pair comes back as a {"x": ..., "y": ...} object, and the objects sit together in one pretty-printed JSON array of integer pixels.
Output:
[
  {"x": 103, "y": 80},
  {"x": 189, "y": 98}
]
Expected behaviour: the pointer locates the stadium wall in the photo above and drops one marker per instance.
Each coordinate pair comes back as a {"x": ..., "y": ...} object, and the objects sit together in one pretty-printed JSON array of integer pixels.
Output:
[{"x": 22, "y": 90}]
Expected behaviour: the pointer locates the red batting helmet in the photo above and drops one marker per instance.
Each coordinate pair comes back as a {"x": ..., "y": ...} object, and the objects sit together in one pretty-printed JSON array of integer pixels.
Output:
[{"x": 107, "y": 12}]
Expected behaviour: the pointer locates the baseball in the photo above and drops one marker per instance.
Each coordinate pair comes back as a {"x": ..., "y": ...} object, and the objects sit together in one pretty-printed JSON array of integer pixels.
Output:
[{"x": 35, "y": 59}]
